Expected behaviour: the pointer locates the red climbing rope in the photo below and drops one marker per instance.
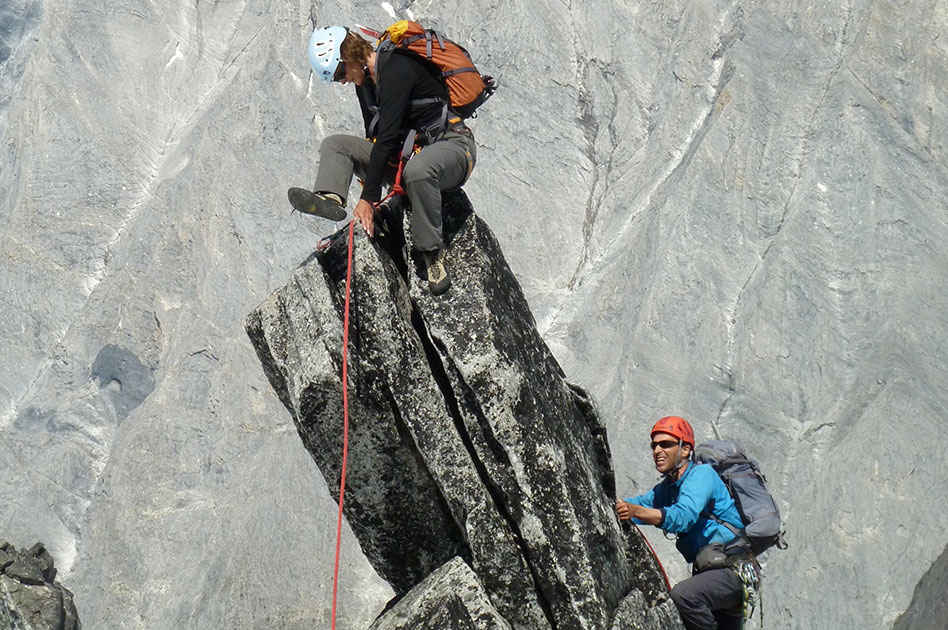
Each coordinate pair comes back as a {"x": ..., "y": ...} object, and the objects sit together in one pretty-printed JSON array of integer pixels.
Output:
[
  {"x": 654, "y": 557},
  {"x": 396, "y": 190},
  {"x": 345, "y": 424}
]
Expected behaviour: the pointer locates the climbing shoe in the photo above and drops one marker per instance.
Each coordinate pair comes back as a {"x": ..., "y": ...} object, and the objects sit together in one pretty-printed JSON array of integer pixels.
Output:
[
  {"x": 438, "y": 279},
  {"x": 325, "y": 205}
]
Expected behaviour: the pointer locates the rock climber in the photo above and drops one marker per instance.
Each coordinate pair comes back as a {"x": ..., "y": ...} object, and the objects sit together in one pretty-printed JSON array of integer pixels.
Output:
[
  {"x": 688, "y": 502},
  {"x": 404, "y": 94}
]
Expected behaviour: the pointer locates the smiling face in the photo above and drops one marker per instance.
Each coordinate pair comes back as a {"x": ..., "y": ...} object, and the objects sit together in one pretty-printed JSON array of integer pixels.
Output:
[{"x": 667, "y": 452}]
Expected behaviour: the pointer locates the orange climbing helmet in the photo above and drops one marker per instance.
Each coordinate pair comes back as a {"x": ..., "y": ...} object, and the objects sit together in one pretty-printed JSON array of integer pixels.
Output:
[{"x": 676, "y": 427}]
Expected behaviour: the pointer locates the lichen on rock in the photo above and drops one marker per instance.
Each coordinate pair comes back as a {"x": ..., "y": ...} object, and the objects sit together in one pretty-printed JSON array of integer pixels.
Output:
[
  {"x": 467, "y": 442},
  {"x": 30, "y": 596}
]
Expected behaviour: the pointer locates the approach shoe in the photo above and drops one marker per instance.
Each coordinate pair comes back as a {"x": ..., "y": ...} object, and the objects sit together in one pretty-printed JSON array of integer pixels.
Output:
[
  {"x": 439, "y": 280},
  {"x": 325, "y": 205}
]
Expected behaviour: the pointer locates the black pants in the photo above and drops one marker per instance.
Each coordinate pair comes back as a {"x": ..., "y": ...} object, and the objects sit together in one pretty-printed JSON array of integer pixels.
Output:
[{"x": 712, "y": 600}]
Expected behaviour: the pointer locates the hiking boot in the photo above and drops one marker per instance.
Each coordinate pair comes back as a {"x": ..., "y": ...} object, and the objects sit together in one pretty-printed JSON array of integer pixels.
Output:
[
  {"x": 438, "y": 279},
  {"x": 325, "y": 205}
]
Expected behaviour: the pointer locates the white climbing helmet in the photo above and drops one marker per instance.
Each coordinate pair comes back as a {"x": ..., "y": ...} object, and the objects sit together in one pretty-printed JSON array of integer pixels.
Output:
[{"x": 325, "y": 46}]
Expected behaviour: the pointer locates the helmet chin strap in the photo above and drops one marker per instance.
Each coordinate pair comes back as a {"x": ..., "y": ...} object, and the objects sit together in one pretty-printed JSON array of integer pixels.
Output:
[{"x": 679, "y": 464}]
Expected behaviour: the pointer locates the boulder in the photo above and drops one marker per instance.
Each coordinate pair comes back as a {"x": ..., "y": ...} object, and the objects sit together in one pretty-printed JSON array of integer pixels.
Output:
[
  {"x": 635, "y": 613},
  {"x": 451, "y": 597},
  {"x": 465, "y": 437},
  {"x": 30, "y": 598}
]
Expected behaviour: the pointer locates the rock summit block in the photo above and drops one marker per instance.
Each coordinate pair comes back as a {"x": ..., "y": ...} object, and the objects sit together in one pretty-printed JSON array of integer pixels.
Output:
[{"x": 467, "y": 442}]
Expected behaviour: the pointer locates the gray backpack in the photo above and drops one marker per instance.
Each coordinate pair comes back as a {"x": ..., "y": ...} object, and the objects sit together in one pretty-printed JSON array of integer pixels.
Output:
[{"x": 748, "y": 488}]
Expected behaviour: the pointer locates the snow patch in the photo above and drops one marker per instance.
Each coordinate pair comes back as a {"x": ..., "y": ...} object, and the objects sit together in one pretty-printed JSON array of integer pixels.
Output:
[
  {"x": 177, "y": 55},
  {"x": 297, "y": 81},
  {"x": 7, "y": 414},
  {"x": 66, "y": 555},
  {"x": 388, "y": 8},
  {"x": 89, "y": 283}
]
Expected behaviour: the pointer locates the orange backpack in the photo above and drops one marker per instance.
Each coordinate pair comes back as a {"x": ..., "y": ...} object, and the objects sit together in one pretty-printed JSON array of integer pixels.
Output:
[{"x": 467, "y": 87}]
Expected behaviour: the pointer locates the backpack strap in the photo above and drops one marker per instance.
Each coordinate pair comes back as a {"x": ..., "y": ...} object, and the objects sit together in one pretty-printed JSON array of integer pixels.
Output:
[
  {"x": 778, "y": 541},
  {"x": 451, "y": 73},
  {"x": 372, "y": 127},
  {"x": 740, "y": 533},
  {"x": 431, "y": 130},
  {"x": 428, "y": 35}
]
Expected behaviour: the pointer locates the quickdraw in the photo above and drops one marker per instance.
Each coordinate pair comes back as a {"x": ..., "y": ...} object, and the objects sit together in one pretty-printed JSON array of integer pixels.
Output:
[{"x": 749, "y": 573}]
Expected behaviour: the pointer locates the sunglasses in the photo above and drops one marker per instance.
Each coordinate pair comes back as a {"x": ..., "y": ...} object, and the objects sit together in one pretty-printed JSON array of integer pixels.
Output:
[
  {"x": 340, "y": 72},
  {"x": 664, "y": 444}
]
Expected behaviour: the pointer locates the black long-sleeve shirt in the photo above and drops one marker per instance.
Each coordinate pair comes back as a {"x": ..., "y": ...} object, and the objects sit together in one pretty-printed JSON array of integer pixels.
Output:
[{"x": 401, "y": 79}]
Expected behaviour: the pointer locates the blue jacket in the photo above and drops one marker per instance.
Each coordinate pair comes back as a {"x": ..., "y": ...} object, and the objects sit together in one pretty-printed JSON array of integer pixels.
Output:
[{"x": 682, "y": 502}]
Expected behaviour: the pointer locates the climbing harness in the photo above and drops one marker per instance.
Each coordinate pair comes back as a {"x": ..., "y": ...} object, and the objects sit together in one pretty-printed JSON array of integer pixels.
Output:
[
  {"x": 716, "y": 556},
  {"x": 409, "y": 149},
  {"x": 345, "y": 424}
]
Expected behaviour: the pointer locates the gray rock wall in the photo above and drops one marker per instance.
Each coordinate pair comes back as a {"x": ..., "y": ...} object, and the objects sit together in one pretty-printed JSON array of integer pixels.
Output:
[
  {"x": 729, "y": 210},
  {"x": 134, "y": 233},
  {"x": 778, "y": 286}
]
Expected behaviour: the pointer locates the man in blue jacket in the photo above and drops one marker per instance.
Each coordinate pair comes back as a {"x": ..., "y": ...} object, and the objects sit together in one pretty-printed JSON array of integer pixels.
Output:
[{"x": 689, "y": 502}]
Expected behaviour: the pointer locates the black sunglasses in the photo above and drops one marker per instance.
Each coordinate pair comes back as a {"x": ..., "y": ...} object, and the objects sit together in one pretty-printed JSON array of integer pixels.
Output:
[
  {"x": 664, "y": 444},
  {"x": 340, "y": 72}
]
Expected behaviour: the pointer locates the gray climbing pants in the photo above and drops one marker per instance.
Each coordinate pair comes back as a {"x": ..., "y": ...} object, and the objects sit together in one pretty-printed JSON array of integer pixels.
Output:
[
  {"x": 442, "y": 165},
  {"x": 710, "y": 600}
]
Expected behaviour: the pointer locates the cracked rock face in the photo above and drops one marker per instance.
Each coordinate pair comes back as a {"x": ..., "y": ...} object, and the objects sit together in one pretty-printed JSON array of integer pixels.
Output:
[
  {"x": 466, "y": 439},
  {"x": 731, "y": 210},
  {"x": 30, "y": 596}
]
